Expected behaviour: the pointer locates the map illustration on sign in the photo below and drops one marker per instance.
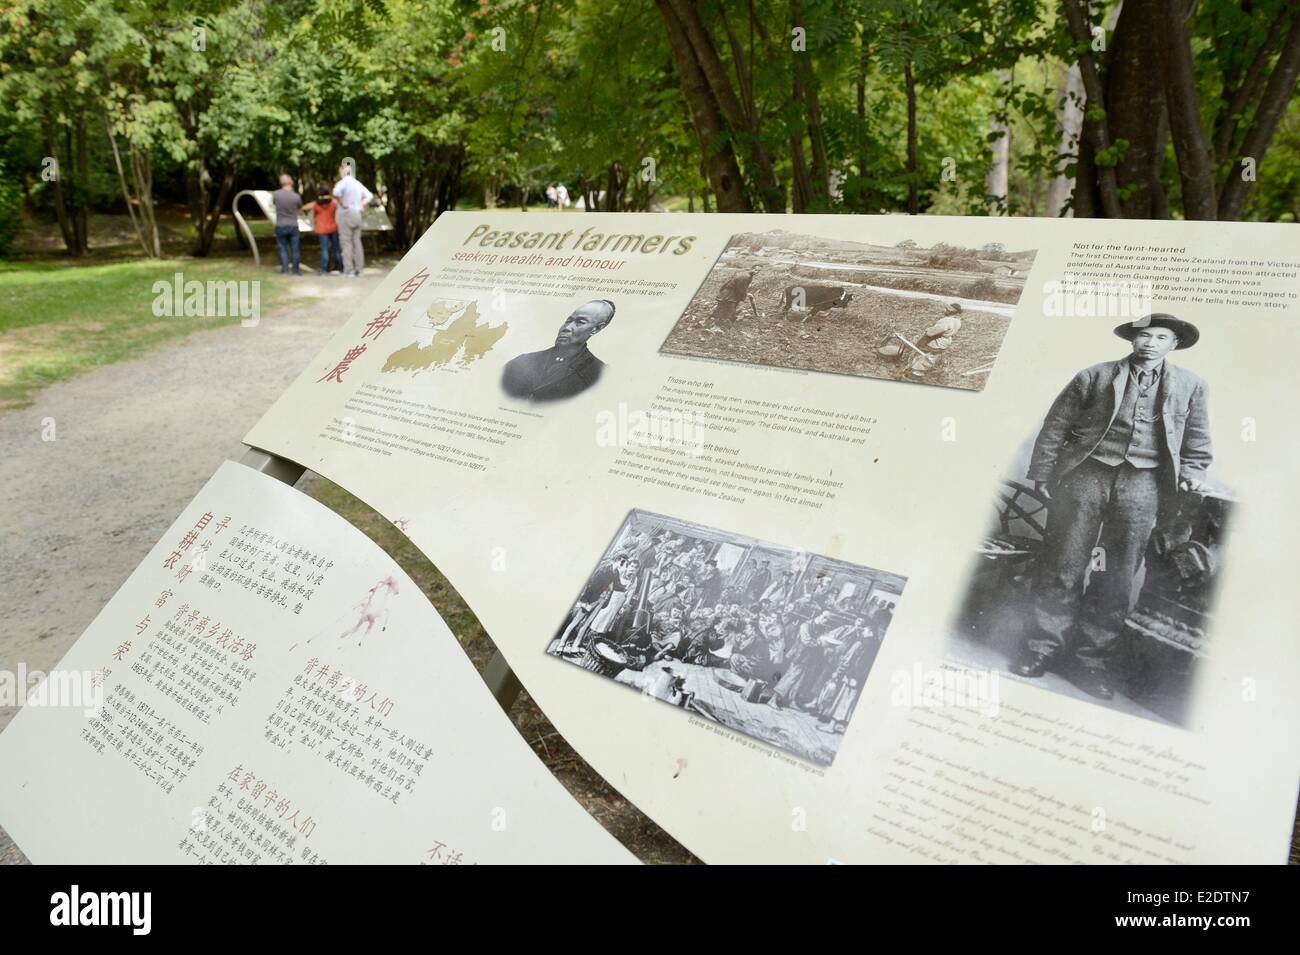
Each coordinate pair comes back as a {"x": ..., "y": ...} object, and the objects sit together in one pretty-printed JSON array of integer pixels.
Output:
[{"x": 452, "y": 335}]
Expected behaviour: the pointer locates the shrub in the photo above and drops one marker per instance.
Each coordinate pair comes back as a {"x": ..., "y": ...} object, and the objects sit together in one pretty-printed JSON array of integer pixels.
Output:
[
  {"x": 11, "y": 209},
  {"x": 984, "y": 289}
]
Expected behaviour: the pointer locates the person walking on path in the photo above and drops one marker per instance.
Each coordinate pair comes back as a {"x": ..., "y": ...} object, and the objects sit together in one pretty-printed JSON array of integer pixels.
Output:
[
  {"x": 287, "y": 205},
  {"x": 352, "y": 197},
  {"x": 325, "y": 223}
]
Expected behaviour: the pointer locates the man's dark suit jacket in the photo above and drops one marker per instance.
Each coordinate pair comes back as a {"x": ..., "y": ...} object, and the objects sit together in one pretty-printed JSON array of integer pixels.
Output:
[
  {"x": 539, "y": 377},
  {"x": 1082, "y": 413}
]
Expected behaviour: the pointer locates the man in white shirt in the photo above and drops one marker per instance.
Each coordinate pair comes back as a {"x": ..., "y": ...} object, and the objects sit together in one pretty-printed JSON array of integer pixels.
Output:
[{"x": 352, "y": 197}]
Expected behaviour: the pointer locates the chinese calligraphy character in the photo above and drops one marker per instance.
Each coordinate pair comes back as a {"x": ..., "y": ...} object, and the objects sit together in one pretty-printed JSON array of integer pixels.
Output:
[
  {"x": 380, "y": 323},
  {"x": 337, "y": 372},
  {"x": 411, "y": 286}
]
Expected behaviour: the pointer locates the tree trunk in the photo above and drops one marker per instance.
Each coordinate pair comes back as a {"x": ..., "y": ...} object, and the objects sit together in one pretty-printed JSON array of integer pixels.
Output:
[
  {"x": 209, "y": 213},
  {"x": 198, "y": 182},
  {"x": 1191, "y": 144},
  {"x": 997, "y": 179},
  {"x": 728, "y": 103},
  {"x": 1069, "y": 124},
  {"x": 81, "y": 214},
  {"x": 744, "y": 76},
  {"x": 721, "y": 168},
  {"x": 1097, "y": 131},
  {"x": 913, "y": 187},
  {"x": 1087, "y": 197},
  {"x": 142, "y": 172},
  {"x": 801, "y": 185},
  {"x": 126, "y": 192},
  {"x": 861, "y": 132},
  {"x": 820, "y": 174},
  {"x": 1159, "y": 200},
  {"x": 1277, "y": 95},
  {"x": 1134, "y": 98},
  {"x": 450, "y": 182},
  {"x": 422, "y": 189},
  {"x": 1240, "y": 89},
  {"x": 60, "y": 201}
]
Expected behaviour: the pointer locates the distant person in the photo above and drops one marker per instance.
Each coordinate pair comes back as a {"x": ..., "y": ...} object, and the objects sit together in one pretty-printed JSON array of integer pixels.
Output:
[
  {"x": 552, "y": 199},
  {"x": 287, "y": 206},
  {"x": 325, "y": 223},
  {"x": 352, "y": 197},
  {"x": 561, "y": 195},
  {"x": 565, "y": 369}
]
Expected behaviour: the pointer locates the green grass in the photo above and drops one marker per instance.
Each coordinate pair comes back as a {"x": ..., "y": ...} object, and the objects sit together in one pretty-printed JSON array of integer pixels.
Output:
[{"x": 58, "y": 320}]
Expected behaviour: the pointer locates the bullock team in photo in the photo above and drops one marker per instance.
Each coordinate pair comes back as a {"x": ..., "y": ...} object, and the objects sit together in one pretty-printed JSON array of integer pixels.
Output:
[{"x": 935, "y": 315}]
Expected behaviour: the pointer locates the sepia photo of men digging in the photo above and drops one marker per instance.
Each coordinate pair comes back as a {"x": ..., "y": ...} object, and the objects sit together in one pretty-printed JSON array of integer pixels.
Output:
[{"x": 932, "y": 316}]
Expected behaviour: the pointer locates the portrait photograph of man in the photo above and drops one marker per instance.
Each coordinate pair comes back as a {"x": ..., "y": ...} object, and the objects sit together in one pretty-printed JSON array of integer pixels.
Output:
[
  {"x": 568, "y": 367},
  {"x": 1097, "y": 578}
]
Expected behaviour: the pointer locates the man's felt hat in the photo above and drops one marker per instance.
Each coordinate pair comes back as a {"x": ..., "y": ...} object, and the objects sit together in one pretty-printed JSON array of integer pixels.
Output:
[{"x": 1187, "y": 333}]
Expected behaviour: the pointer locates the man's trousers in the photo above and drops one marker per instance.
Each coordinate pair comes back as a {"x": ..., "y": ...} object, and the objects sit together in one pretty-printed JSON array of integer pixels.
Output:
[
  {"x": 1120, "y": 503},
  {"x": 354, "y": 254}
]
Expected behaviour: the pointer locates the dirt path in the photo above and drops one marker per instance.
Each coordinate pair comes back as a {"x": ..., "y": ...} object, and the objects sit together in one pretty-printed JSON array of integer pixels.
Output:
[{"x": 133, "y": 444}]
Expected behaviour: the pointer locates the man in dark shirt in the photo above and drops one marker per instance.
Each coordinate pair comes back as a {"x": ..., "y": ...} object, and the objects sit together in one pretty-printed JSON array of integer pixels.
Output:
[
  {"x": 287, "y": 204},
  {"x": 709, "y": 584},
  {"x": 1119, "y": 441},
  {"x": 565, "y": 369}
]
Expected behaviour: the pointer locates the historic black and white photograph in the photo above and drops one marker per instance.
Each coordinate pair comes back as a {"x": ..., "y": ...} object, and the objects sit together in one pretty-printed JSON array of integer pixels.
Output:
[
  {"x": 567, "y": 367},
  {"x": 934, "y": 315},
  {"x": 1098, "y": 575},
  {"x": 767, "y": 640}
]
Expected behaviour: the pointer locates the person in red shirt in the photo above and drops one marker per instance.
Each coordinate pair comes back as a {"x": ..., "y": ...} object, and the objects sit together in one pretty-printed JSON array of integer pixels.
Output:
[{"x": 323, "y": 211}]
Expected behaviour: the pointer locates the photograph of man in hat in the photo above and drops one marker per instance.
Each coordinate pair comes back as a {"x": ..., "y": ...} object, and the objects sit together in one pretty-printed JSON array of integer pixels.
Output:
[
  {"x": 568, "y": 367},
  {"x": 1118, "y": 444}
]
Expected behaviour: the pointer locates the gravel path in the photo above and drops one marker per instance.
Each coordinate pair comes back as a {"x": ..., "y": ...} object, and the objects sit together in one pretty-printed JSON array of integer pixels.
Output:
[{"x": 134, "y": 443}]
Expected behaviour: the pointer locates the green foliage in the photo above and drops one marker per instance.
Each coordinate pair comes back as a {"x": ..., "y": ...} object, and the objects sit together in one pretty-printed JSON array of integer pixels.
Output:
[
  {"x": 577, "y": 92},
  {"x": 1276, "y": 197},
  {"x": 437, "y": 97},
  {"x": 1112, "y": 154},
  {"x": 11, "y": 207}
]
